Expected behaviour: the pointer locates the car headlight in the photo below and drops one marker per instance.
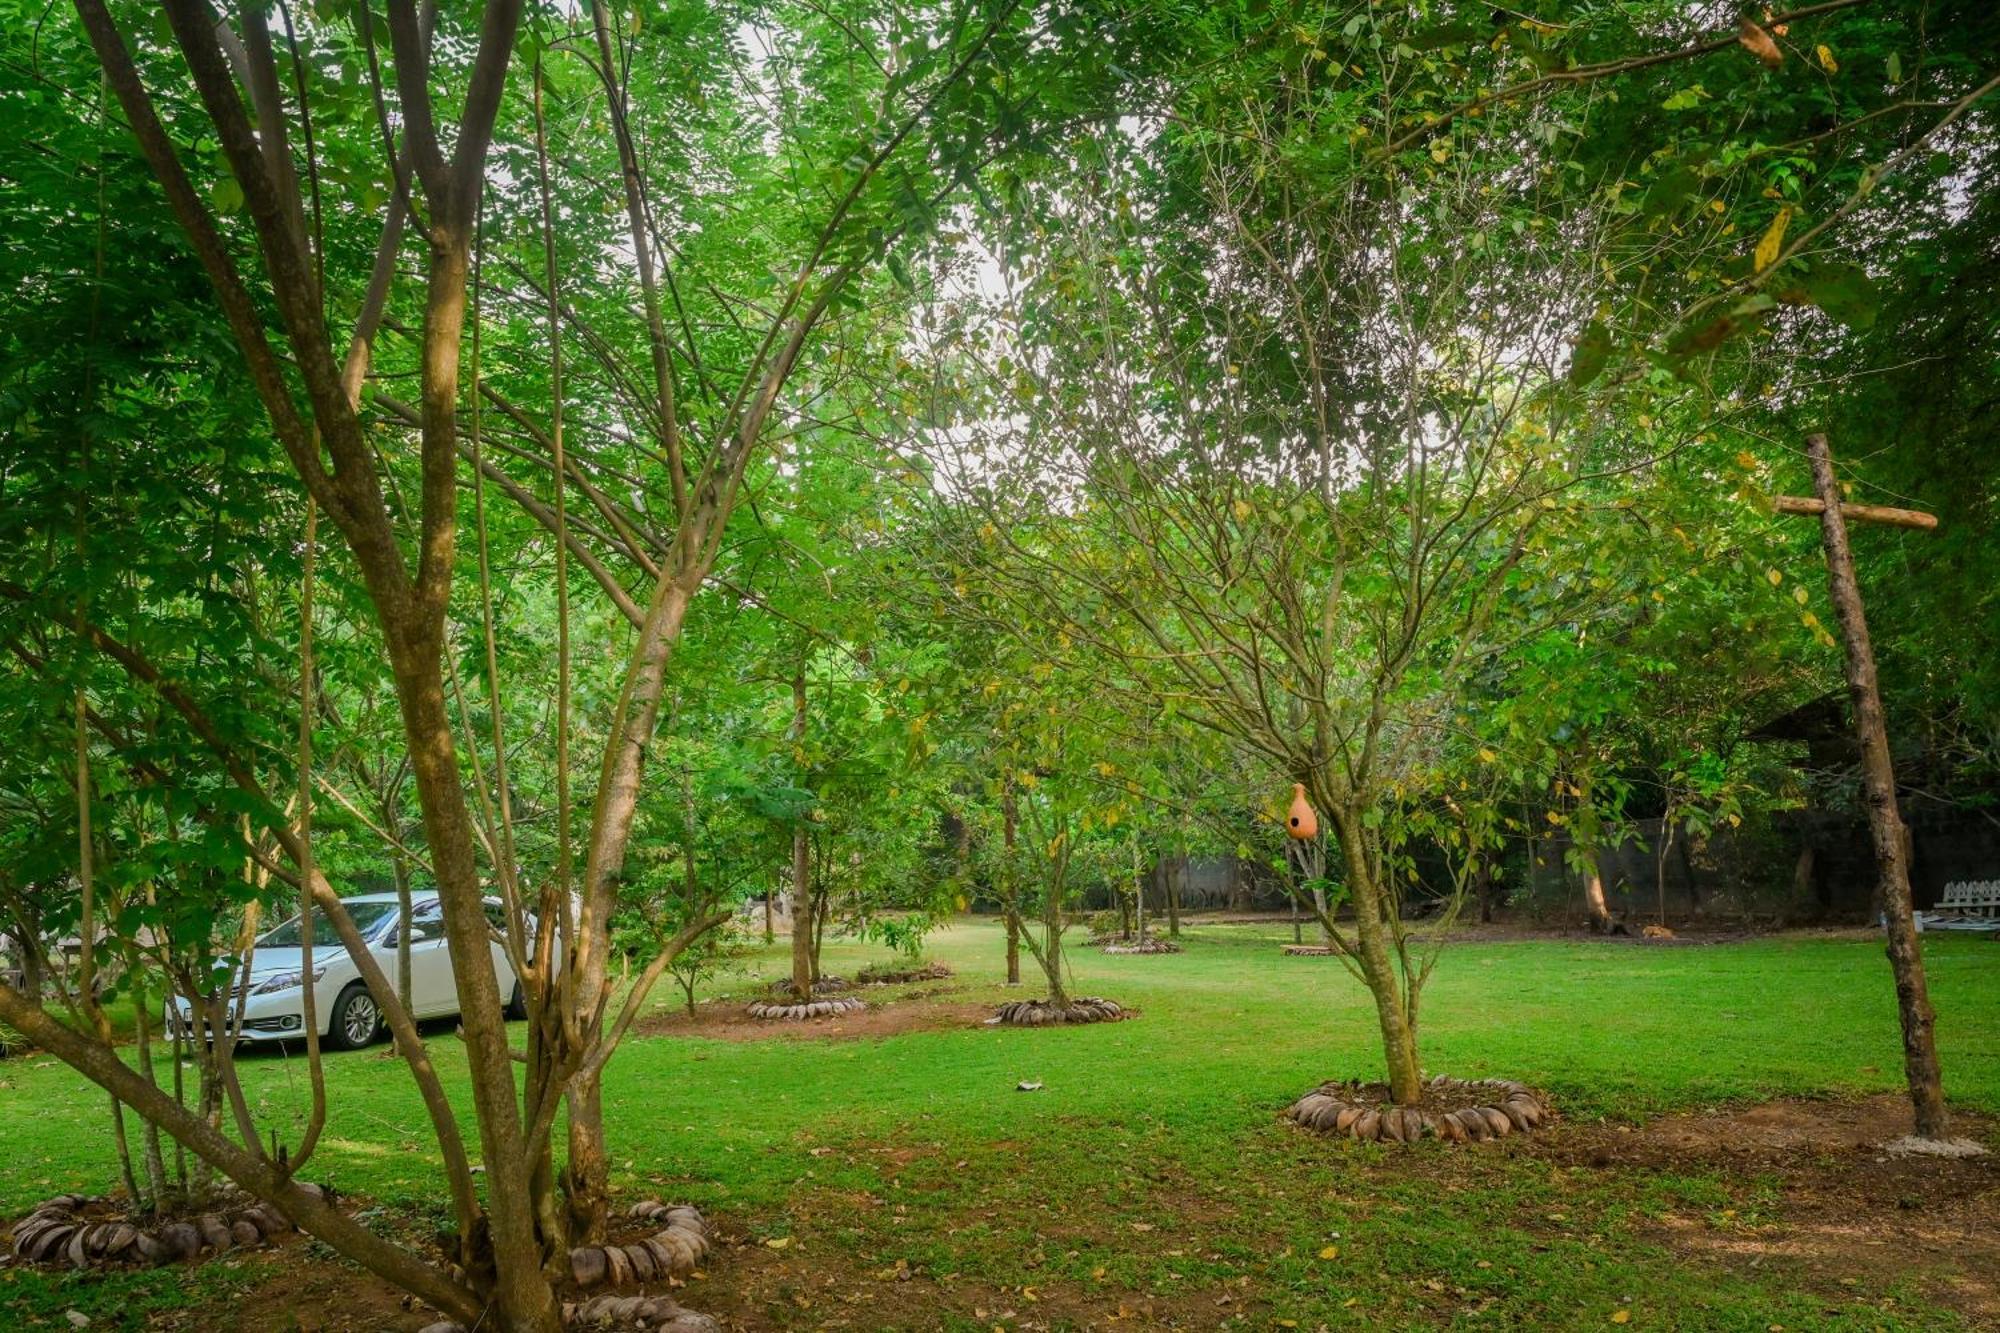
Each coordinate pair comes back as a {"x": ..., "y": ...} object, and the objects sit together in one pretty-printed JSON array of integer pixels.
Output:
[{"x": 283, "y": 981}]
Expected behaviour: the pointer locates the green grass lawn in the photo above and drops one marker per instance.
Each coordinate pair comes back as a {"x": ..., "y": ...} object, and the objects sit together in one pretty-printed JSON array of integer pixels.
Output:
[{"x": 1150, "y": 1167}]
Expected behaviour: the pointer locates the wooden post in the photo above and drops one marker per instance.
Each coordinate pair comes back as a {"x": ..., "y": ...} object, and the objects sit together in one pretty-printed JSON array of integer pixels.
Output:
[{"x": 1878, "y": 783}]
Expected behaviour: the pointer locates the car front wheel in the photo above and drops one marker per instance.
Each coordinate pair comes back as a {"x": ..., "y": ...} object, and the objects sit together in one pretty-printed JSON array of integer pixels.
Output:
[{"x": 356, "y": 1019}]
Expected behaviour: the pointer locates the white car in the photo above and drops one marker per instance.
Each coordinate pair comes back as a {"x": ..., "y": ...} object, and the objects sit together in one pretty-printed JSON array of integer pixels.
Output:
[{"x": 274, "y": 1009}]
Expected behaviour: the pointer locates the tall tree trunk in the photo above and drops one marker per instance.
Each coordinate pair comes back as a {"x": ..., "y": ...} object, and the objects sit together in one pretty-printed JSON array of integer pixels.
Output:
[
  {"x": 1009, "y": 824},
  {"x": 586, "y": 1181},
  {"x": 1660, "y": 865},
  {"x": 1594, "y": 901},
  {"x": 1805, "y": 882},
  {"x": 1371, "y": 943},
  {"x": 1138, "y": 893},
  {"x": 401, "y": 867},
  {"x": 802, "y": 903},
  {"x": 1052, "y": 956},
  {"x": 1885, "y": 824},
  {"x": 29, "y": 922}
]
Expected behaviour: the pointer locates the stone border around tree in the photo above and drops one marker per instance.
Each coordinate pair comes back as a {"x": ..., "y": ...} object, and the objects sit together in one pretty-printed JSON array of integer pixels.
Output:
[
  {"x": 57, "y": 1232},
  {"x": 674, "y": 1251},
  {"x": 791, "y": 1011},
  {"x": 1041, "y": 1013},
  {"x": 1150, "y": 945},
  {"x": 1491, "y": 1108},
  {"x": 873, "y": 976},
  {"x": 822, "y": 986}
]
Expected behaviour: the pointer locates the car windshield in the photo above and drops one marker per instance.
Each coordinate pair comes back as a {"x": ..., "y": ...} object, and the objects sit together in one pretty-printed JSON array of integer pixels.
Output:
[{"x": 366, "y": 916}]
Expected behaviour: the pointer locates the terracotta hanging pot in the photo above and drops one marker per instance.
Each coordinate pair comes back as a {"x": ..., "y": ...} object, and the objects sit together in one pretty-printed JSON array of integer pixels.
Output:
[{"x": 1301, "y": 822}]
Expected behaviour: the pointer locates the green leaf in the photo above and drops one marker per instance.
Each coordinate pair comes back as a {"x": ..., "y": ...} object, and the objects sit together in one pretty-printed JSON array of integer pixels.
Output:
[
  {"x": 1593, "y": 349},
  {"x": 226, "y": 195},
  {"x": 1451, "y": 34},
  {"x": 1844, "y": 291},
  {"x": 1670, "y": 191}
]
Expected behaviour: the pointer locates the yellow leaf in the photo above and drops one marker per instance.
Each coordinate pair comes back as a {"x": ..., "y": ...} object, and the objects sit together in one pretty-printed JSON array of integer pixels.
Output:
[
  {"x": 1330, "y": 1252},
  {"x": 1621, "y": 1316},
  {"x": 1773, "y": 577},
  {"x": 1774, "y": 239},
  {"x": 778, "y": 1242},
  {"x": 1242, "y": 508},
  {"x": 1485, "y": 757},
  {"x": 1799, "y": 594},
  {"x": 1826, "y": 60}
]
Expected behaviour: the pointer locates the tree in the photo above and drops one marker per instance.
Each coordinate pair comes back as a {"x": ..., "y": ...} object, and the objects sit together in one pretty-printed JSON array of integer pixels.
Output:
[{"x": 306, "y": 184}]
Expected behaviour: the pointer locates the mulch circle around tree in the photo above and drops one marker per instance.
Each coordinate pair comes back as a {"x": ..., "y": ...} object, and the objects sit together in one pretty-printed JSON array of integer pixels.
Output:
[
  {"x": 1310, "y": 951},
  {"x": 793, "y": 1011},
  {"x": 86, "y": 1231},
  {"x": 1454, "y": 1109},
  {"x": 879, "y": 975},
  {"x": 1043, "y": 1013},
  {"x": 1151, "y": 944}
]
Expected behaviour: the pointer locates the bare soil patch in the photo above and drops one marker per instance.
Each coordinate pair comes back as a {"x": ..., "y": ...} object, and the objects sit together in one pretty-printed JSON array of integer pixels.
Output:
[{"x": 1844, "y": 1212}]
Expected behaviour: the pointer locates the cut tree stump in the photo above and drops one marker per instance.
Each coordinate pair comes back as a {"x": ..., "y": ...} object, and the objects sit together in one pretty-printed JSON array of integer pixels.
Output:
[{"x": 1456, "y": 1110}]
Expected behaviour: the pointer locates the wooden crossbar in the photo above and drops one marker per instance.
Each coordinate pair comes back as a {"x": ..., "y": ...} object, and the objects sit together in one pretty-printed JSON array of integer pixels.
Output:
[{"x": 1895, "y": 518}]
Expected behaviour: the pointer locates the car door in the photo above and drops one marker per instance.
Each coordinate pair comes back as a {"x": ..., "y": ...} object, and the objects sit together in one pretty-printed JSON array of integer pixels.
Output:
[{"x": 432, "y": 990}]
